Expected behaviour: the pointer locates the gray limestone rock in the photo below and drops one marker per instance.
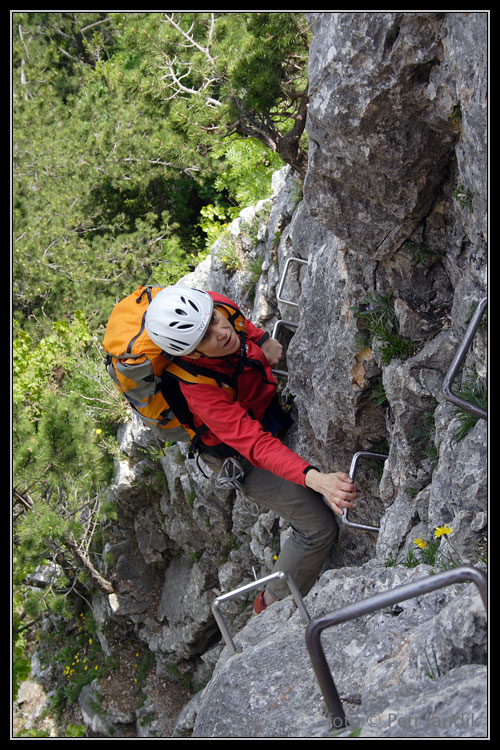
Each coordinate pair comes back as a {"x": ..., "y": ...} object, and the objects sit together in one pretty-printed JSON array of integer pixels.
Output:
[{"x": 394, "y": 209}]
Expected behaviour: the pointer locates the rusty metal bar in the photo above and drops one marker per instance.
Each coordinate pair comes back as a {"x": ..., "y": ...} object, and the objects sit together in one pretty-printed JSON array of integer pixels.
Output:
[
  {"x": 372, "y": 604},
  {"x": 458, "y": 361},
  {"x": 352, "y": 474},
  {"x": 281, "y": 574}
]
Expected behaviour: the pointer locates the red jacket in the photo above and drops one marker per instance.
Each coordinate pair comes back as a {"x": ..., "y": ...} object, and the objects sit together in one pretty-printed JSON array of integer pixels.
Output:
[{"x": 229, "y": 422}]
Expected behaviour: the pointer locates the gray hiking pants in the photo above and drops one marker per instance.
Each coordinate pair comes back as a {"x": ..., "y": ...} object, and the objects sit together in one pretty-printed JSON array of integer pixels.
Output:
[{"x": 313, "y": 523}]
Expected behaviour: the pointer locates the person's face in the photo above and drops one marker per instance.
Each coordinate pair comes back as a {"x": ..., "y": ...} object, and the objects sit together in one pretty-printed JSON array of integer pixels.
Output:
[{"x": 219, "y": 340}]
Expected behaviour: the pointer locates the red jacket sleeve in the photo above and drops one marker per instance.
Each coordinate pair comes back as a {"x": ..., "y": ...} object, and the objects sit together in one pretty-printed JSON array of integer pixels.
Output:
[{"x": 230, "y": 422}]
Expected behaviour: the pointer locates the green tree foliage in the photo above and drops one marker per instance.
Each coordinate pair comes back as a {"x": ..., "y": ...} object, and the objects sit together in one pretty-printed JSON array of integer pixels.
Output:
[
  {"x": 136, "y": 136},
  {"x": 61, "y": 458},
  {"x": 248, "y": 170},
  {"x": 118, "y": 124},
  {"x": 64, "y": 421},
  {"x": 221, "y": 73},
  {"x": 94, "y": 203}
]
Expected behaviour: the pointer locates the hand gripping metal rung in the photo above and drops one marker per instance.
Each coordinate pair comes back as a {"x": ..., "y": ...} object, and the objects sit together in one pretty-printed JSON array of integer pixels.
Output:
[
  {"x": 372, "y": 604},
  {"x": 283, "y": 277},
  {"x": 457, "y": 363},
  {"x": 352, "y": 474},
  {"x": 282, "y": 575}
]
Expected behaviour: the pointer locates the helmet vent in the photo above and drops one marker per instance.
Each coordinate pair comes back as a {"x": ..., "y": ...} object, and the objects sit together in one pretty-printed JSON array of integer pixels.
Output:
[{"x": 180, "y": 326}]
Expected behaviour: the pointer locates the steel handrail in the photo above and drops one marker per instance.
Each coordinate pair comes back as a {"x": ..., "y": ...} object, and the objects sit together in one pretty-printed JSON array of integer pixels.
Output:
[
  {"x": 283, "y": 277},
  {"x": 282, "y": 575},
  {"x": 457, "y": 363},
  {"x": 371, "y": 604},
  {"x": 352, "y": 474}
]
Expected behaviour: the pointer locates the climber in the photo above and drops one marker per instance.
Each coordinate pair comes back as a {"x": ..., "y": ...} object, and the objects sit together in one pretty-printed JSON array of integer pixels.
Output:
[{"x": 237, "y": 436}]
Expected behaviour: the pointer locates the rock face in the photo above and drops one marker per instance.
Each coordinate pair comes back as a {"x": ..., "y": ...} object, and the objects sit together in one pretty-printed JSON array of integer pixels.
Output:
[
  {"x": 394, "y": 227},
  {"x": 394, "y": 669},
  {"x": 392, "y": 223}
]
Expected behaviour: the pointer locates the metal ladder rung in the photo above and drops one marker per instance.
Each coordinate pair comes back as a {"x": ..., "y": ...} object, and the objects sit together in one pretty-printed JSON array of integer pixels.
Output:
[
  {"x": 283, "y": 277},
  {"x": 287, "y": 302},
  {"x": 277, "y": 325},
  {"x": 367, "y": 606},
  {"x": 282, "y": 575},
  {"x": 280, "y": 323},
  {"x": 352, "y": 474},
  {"x": 458, "y": 361}
]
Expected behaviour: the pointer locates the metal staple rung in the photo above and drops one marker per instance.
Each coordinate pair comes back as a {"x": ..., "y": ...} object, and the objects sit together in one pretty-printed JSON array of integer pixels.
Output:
[
  {"x": 352, "y": 474},
  {"x": 277, "y": 325},
  {"x": 286, "y": 301},
  {"x": 280, "y": 323},
  {"x": 457, "y": 363},
  {"x": 282, "y": 575},
  {"x": 283, "y": 277},
  {"x": 372, "y": 604}
]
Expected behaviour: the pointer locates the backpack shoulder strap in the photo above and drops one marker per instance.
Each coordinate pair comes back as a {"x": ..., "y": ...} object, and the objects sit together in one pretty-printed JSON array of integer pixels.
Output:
[{"x": 192, "y": 374}]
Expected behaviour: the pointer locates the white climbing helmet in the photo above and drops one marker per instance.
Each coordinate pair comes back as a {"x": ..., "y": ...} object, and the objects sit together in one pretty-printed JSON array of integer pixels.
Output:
[{"x": 177, "y": 319}]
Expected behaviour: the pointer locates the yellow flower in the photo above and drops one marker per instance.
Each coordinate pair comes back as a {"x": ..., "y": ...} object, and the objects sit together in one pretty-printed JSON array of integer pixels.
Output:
[
  {"x": 421, "y": 543},
  {"x": 275, "y": 557},
  {"x": 96, "y": 667},
  {"x": 442, "y": 531},
  {"x": 90, "y": 641},
  {"x": 98, "y": 432}
]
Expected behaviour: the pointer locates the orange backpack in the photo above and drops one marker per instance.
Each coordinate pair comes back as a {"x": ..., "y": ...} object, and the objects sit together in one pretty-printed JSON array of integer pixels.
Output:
[{"x": 149, "y": 377}]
